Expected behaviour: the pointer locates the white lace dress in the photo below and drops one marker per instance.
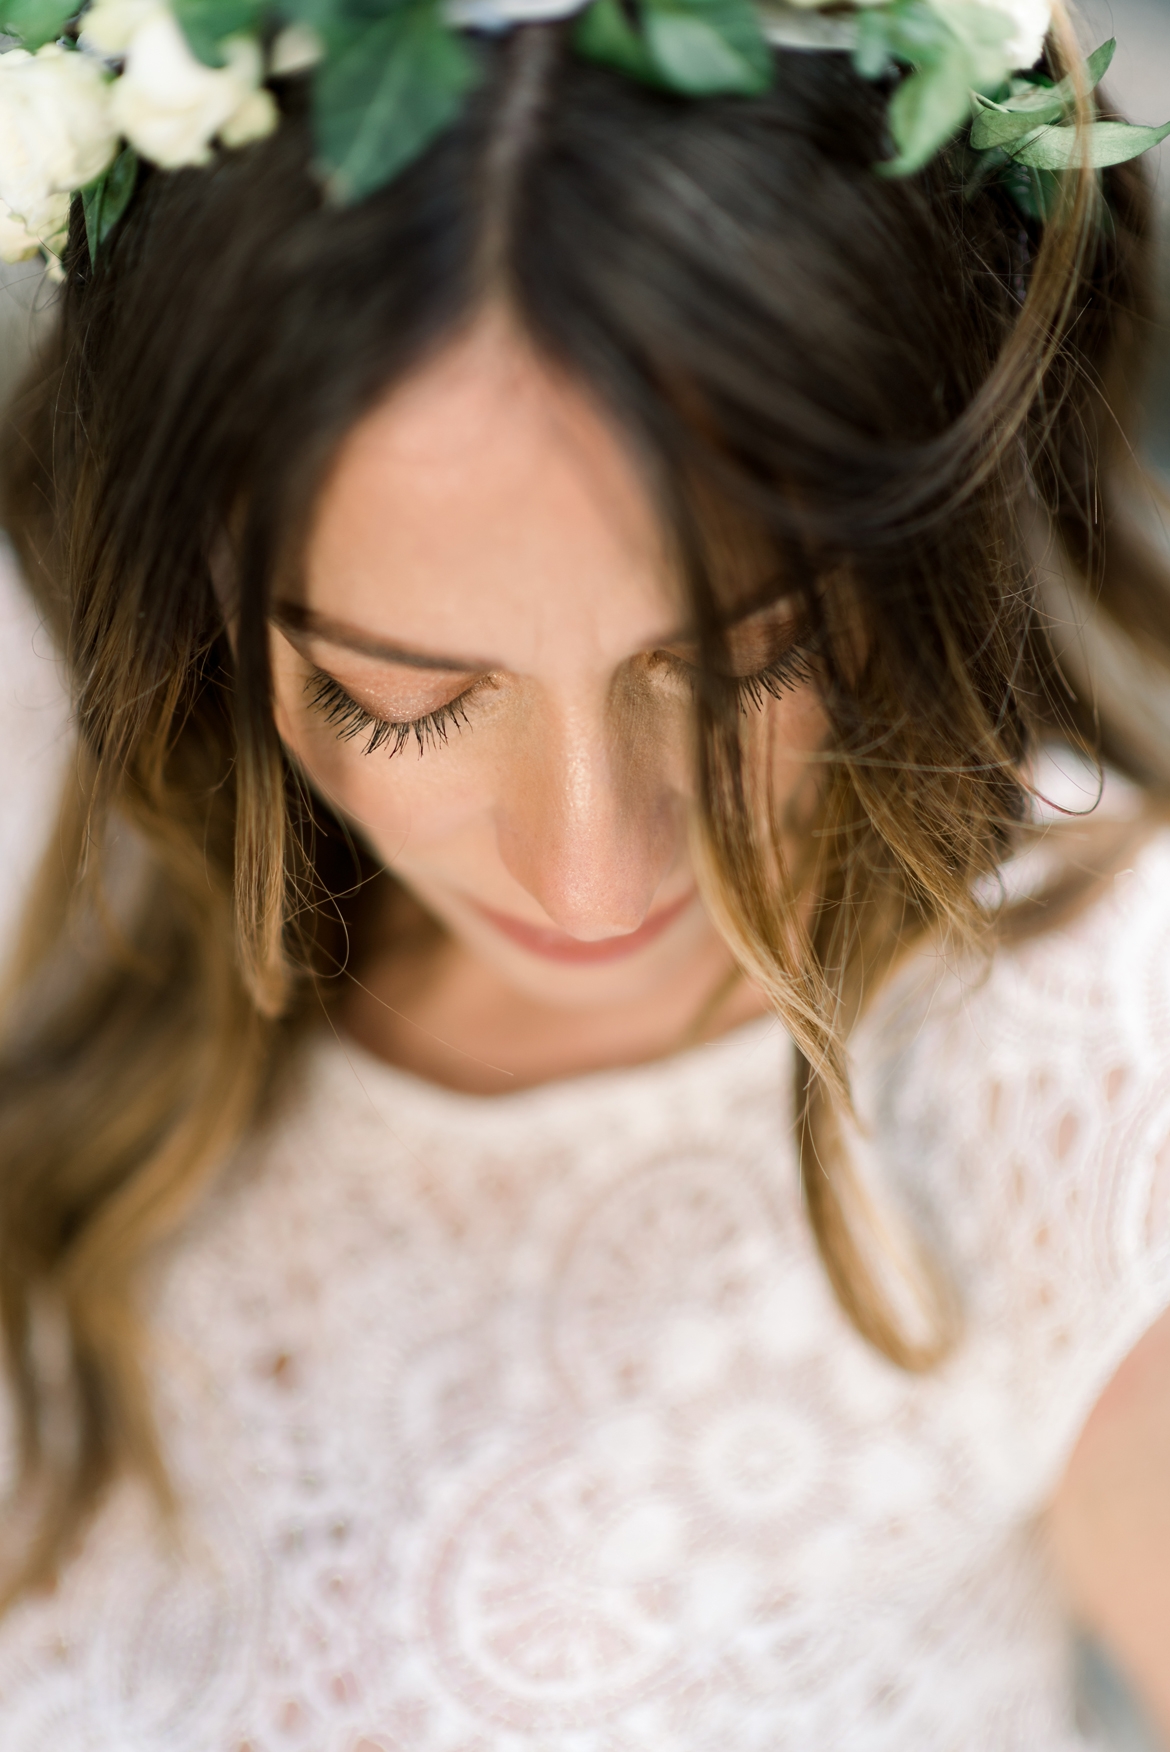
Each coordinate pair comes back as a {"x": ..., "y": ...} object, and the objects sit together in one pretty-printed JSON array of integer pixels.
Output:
[{"x": 529, "y": 1424}]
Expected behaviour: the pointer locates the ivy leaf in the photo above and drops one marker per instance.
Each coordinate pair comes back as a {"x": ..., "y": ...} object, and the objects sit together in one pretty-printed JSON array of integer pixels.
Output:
[
  {"x": 909, "y": 31},
  {"x": 925, "y": 111},
  {"x": 382, "y": 96},
  {"x": 698, "y": 48},
  {"x": 206, "y": 23},
  {"x": 1103, "y": 144},
  {"x": 604, "y": 33},
  {"x": 37, "y": 22},
  {"x": 705, "y": 47},
  {"x": 104, "y": 200},
  {"x": 932, "y": 102}
]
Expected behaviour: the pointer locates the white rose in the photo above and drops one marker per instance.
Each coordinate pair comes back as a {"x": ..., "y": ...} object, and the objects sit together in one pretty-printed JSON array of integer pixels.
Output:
[
  {"x": 169, "y": 105},
  {"x": 109, "y": 25},
  {"x": 1031, "y": 19},
  {"x": 46, "y": 229},
  {"x": 56, "y": 132},
  {"x": 296, "y": 49},
  {"x": 17, "y": 242},
  {"x": 1023, "y": 23}
]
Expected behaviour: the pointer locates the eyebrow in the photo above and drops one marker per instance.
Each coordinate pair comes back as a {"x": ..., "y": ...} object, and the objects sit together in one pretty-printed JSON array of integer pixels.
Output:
[
  {"x": 291, "y": 617},
  {"x": 294, "y": 618}
]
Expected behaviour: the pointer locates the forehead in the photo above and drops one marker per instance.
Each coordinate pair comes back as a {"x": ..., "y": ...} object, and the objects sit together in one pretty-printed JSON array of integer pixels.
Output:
[{"x": 489, "y": 504}]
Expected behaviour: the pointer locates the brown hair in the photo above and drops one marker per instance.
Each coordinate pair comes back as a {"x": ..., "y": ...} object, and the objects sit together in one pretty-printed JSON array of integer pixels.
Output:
[{"x": 891, "y": 384}]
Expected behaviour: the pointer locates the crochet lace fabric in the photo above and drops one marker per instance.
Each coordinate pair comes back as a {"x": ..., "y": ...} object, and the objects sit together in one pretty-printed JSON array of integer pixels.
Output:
[{"x": 530, "y": 1425}]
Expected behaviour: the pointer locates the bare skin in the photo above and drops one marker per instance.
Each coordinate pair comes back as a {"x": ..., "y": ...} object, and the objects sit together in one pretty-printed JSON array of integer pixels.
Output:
[
  {"x": 487, "y": 526},
  {"x": 485, "y": 553}
]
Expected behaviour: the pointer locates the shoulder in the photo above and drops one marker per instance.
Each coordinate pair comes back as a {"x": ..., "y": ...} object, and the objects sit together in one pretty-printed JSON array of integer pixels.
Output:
[
  {"x": 1054, "y": 1056},
  {"x": 1023, "y": 1109}
]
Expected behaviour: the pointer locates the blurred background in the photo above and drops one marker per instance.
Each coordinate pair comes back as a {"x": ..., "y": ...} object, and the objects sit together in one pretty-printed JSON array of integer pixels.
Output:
[{"x": 31, "y": 716}]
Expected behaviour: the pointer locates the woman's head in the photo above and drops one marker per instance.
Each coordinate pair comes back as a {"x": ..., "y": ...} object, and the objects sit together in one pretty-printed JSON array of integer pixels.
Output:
[
  {"x": 489, "y": 669},
  {"x": 761, "y": 346},
  {"x": 699, "y": 466}
]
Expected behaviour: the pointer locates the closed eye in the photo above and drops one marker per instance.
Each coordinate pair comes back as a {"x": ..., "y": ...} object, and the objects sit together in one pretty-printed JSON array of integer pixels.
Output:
[
  {"x": 350, "y": 721},
  {"x": 789, "y": 669}
]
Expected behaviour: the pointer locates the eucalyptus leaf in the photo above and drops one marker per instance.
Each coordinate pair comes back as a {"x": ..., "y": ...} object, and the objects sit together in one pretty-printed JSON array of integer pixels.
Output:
[
  {"x": 1102, "y": 144},
  {"x": 999, "y": 127},
  {"x": 37, "y": 22},
  {"x": 380, "y": 100},
  {"x": 1033, "y": 98},
  {"x": 206, "y": 24},
  {"x": 104, "y": 200},
  {"x": 1031, "y": 106}
]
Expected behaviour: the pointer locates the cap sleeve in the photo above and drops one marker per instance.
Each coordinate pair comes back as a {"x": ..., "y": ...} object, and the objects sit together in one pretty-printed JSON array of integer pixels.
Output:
[{"x": 1024, "y": 1112}]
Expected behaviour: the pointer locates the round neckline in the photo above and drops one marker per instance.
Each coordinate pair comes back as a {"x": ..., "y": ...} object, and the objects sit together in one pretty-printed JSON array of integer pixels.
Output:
[{"x": 345, "y": 1053}]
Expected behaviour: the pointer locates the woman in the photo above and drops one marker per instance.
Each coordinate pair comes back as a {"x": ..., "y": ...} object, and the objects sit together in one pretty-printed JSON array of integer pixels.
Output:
[{"x": 590, "y": 644}]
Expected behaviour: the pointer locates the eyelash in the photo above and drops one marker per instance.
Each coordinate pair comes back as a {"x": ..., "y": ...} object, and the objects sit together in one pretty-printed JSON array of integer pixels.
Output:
[
  {"x": 350, "y": 720},
  {"x": 790, "y": 670}
]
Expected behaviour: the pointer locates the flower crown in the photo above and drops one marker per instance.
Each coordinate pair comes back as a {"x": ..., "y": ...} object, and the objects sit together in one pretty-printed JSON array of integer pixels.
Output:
[{"x": 85, "y": 93}]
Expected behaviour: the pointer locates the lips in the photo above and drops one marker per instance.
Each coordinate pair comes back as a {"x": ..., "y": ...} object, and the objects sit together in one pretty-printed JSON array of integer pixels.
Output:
[{"x": 560, "y": 946}]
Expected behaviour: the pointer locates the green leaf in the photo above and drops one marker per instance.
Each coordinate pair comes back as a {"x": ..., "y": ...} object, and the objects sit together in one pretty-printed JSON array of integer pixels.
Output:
[
  {"x": 1031, "y": 106},
  {"x": 206, "y": 23},
  {"x": 1000, "y": 127},
  {"x": 701, "y": 48},
  {"x": 37, "y": 22},
  {"x": 1036, "y": 193},
  {"x": 926, "y": 110},
  {"x": 698, "y": 48},
  {"x": 1103, "y": 144},
  {"x": 1032, "y": 97},
  {"x": 104, "y": 200},
  {"x": 603, "y": 33},
  {"x": 909, "y": 31},
  {"x": 381, "y": 99}
]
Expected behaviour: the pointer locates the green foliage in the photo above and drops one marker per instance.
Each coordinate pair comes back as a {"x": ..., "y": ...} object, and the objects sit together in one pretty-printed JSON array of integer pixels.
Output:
[
  {"x": 1029, "y": 107},
  {"x": 604, "y": 33},
  {"x": 948, "y": 57},
  {"x": 1036, "y": 193},
  {"x": 207, "y": 23},
  {"x": 1102, "y": 144},
  {"x": 698, "y": 48},
  {"x": 104, "y": 200},
  {"x": 388, "y": 85},
  {"x": 1032, "y": 127},
  {"x": 37, "y": 22}
]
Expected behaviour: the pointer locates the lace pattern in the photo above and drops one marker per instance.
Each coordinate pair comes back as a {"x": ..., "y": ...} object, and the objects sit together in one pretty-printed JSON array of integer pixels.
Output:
[{"x": 528, "y": 1424}]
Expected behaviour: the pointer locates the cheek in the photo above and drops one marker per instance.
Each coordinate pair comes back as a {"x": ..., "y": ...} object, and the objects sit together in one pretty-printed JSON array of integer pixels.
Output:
[
  {"x": 785, "y": 748},
  {"x": 392, "y": 800}
]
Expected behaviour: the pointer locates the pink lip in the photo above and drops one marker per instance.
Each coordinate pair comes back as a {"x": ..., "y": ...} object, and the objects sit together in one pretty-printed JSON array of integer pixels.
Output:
[{"x": 559, "y": 946}]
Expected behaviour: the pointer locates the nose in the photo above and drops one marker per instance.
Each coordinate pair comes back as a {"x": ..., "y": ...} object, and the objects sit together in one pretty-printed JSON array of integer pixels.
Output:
[{"x": 588, "y": 823}]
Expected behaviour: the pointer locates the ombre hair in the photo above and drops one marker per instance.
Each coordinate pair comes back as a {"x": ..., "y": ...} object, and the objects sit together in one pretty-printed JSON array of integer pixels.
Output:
[{"x": 899, "y": 391}]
